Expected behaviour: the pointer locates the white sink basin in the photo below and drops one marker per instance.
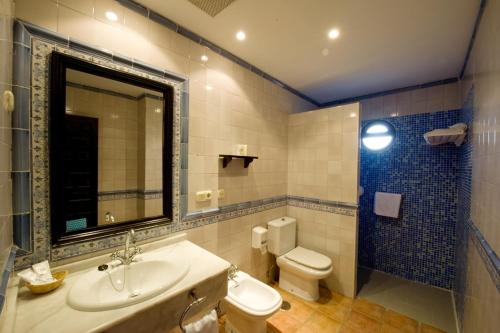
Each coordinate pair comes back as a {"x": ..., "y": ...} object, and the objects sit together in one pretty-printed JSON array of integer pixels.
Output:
[{"x": 123, "y": 285}]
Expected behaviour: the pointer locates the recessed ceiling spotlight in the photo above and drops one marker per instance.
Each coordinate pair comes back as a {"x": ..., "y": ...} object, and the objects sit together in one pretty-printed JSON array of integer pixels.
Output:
[
  {"x": 333, "y": 34},
  {"x": 240, "y": 35},
  {"x": 204, "y": 58},
  {"x": 209, "y": 87},
  {"x": 111, "y": 16}
]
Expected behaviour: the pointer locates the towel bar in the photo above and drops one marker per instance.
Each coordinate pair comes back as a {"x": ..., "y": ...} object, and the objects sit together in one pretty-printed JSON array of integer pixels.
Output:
[{"x": 196, "y": 301}]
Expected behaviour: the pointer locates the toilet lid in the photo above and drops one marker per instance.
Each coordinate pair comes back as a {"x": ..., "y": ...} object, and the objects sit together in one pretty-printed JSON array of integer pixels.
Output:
[{"x": 309, "y": 258}]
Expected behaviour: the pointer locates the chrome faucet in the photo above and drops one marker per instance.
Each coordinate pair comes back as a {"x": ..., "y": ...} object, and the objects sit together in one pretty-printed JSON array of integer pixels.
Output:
[
  {"x": 128, "y": 254},
  {"x": 232, "y": 272}
]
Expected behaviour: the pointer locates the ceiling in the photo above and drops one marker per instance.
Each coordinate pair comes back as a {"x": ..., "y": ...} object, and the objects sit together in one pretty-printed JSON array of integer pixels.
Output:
[{"x": 383, "y": 44}]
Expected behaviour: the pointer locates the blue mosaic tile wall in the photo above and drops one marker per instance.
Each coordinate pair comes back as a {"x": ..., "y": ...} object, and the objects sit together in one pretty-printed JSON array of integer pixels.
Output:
[
  {"x": 463, "y": 211},
  {"x": 420, "y": 244}
]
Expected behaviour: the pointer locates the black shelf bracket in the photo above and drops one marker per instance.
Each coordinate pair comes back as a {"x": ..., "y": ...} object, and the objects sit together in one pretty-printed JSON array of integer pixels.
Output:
[{"x": 228, "y": 158}]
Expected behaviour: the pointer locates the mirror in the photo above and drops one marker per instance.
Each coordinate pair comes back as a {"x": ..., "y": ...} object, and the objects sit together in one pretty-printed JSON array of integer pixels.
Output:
[{"x": 111, "y": 150}]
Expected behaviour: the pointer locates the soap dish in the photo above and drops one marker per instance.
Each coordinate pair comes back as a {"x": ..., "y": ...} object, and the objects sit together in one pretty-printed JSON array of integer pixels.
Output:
[{"x": 45, "y": 288}]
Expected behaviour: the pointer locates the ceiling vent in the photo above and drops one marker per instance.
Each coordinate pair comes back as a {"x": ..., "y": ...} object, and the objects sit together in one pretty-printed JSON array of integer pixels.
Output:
[{"x": 212, "y": 7}]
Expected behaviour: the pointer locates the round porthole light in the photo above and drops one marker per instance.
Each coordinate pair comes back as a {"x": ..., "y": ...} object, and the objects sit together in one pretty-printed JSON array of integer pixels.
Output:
[{"x": 377, "y": 135}]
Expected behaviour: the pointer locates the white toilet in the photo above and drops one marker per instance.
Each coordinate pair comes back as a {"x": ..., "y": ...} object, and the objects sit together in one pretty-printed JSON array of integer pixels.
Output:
[
  {"x": 300, "y": 268},
  {"x": 249, "y": 303}
]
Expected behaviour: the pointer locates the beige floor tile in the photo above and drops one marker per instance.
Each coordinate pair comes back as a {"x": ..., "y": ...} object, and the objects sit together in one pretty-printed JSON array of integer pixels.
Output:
[
  {"x": 368, "y": 308},
  {"x": 282, "y": 322},
  {"x": 319, "y": 323},
  {"x": 362, "y": 323},
  {"x": 386, "y": 328},
  {"x": 430, "y": 329},
  {"x": 401, "y": 322}
]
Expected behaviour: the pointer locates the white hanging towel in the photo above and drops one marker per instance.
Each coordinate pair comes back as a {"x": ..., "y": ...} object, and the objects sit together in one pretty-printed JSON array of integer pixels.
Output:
[
  {"x": 387, "y": 204},
  {"x": 207, "y": 324}
]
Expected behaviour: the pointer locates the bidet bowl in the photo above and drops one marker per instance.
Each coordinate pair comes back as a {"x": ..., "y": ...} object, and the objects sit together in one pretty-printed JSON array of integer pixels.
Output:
[{"x": 249, "y": 303}]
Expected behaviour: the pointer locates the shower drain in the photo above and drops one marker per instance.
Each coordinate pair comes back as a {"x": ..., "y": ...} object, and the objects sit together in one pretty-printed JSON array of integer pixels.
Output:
[{"x": 286, "y": 305}]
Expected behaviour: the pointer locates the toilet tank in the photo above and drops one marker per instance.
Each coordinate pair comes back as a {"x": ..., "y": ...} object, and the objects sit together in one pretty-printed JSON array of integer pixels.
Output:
[{"x": 281, "y": 235}]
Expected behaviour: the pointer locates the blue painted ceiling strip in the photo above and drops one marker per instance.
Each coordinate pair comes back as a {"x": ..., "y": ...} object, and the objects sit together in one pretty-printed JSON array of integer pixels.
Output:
[{"x": 479, "y": 16}]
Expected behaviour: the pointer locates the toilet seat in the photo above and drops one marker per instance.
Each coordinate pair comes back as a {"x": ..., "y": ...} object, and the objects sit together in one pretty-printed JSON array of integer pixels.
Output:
[
  {"x": 309, "y": 258},
  {"x": 307, "y": 270}
]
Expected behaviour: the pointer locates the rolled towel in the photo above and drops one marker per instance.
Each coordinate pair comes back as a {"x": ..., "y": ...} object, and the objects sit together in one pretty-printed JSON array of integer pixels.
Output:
[{"x": 207, "y": 324}]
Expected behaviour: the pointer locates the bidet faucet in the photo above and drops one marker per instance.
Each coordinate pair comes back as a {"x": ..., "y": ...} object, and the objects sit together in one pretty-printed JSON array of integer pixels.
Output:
[
  {"x": 128, "y": 254},
  {"x": 231, "y": 273}
]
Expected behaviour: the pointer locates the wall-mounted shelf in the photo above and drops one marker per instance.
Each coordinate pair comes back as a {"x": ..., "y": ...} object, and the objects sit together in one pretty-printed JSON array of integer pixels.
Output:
[{"x": 228, "y": 158}]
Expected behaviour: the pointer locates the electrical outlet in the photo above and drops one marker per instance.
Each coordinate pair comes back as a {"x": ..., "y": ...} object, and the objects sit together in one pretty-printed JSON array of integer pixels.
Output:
[{"x": 203, "y": 196}]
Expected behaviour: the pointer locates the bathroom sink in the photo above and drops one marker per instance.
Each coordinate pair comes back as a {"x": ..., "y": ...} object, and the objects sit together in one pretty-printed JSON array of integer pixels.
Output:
[{"x": 122, "y": 285}]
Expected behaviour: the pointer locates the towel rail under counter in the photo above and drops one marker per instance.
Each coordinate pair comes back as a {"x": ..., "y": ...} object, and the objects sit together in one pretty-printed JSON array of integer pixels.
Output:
[{"x": 196, "y": 301}]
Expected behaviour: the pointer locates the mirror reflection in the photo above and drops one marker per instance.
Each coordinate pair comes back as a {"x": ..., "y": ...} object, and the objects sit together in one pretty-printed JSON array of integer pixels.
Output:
[{"x": 113, "y": 152}]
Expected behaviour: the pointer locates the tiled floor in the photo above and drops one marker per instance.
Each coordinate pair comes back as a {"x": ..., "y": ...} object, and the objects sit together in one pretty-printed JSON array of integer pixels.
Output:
[
  {"x": 421, "y": 302},
  {"x": 334, "y": 313}
]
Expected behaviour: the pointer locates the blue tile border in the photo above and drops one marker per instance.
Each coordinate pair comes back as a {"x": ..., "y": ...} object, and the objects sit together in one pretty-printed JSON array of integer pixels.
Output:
[
  {"x": 5, "y": 274},
  {"x": 129, "y": 194},
  {"x": 486, "y": 252}
]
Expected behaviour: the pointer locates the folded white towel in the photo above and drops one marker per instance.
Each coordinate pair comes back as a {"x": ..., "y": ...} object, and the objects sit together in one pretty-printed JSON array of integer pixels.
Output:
[
  {"x": 207, "y": 324},
  {"x": 387, "y": 204}
]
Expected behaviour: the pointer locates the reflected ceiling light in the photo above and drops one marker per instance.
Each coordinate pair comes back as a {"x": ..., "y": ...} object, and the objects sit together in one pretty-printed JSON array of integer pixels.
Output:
[
  {"x": 352, "y": 115},
  {"x": 204, "y": 58},
  {"x": 240, "y": 35},
  {"x": 111, "y": 16},
  {"x": 208, "y": 87},
  {"x": 333, "y": 34},
  {"x": 158, "y": 110}
]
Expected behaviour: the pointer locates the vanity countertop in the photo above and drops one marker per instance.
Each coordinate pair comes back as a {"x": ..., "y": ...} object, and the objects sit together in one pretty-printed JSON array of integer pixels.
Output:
[{"x": 50, "y": 312}]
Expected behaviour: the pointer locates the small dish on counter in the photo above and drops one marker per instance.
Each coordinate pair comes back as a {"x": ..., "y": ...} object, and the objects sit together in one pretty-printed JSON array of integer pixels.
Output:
[{"x": 48, "y": 287}]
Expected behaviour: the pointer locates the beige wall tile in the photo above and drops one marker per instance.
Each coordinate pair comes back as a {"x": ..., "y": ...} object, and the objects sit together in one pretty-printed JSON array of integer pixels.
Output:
[
  {"x": 335, "y": 236},
  {"x": 323, "y": 153},
  {"x": 433, "y": 99}
]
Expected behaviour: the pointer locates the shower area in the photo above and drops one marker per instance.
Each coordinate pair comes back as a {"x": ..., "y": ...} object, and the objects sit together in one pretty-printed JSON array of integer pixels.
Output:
[{"x": 406, "y": 258}]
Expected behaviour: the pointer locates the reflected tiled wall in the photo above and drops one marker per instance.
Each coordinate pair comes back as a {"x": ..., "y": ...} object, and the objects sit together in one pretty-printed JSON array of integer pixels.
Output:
[
  {"x": 130, "y": 150},
  {"x": 323, "y": 154},
  {"x": 482, "y": 284},
  {"x": 6, "y": 131}
]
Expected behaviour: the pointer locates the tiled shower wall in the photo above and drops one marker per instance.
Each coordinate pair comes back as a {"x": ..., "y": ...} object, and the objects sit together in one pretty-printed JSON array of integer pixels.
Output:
[
  {"x": 420, "y": 244},
  {"x": 478, "y": 287},
  {"x": 6, "y": 11}
]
